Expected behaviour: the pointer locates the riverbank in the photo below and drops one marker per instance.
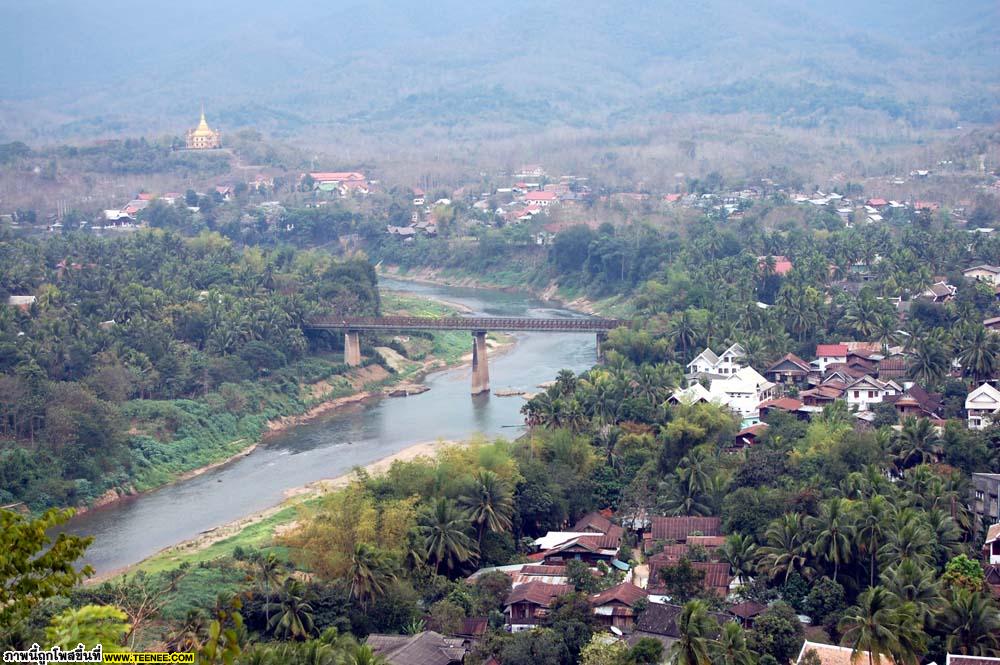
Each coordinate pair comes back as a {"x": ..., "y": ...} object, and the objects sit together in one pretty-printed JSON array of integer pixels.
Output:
[
  {"x": 259, "y": 528},
  {"x": 615, "y": 306},
  {"x": 316, "y": 399}
]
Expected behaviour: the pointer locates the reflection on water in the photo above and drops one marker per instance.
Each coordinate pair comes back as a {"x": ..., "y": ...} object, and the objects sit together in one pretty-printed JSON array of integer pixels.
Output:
[{"x": 357, "y": 434}]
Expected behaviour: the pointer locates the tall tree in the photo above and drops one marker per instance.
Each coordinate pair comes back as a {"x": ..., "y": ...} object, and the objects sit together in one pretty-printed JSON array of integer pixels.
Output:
[{"x": 445, "y": 539}]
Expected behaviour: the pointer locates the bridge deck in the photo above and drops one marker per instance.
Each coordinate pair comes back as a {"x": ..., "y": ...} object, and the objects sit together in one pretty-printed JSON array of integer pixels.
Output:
[{"x": 461, "y": 323}]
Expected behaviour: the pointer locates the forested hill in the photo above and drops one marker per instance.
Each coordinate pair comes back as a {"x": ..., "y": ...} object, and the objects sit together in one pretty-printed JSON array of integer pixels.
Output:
[{"x": 84, "y": 68}]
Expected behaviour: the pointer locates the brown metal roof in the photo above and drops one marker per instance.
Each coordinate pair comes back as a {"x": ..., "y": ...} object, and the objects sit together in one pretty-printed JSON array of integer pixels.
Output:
[
  {"x": 538, "y": 593},
  {"x": 679, "y": 528}
]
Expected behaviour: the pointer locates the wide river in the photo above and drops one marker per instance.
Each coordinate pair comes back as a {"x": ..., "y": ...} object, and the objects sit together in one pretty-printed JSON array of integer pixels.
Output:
[{"x": 130, "y": 530}]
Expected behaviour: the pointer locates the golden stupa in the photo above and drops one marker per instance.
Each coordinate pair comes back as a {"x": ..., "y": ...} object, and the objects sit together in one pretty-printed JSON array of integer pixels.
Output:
[{"x": 203, "y": 137}]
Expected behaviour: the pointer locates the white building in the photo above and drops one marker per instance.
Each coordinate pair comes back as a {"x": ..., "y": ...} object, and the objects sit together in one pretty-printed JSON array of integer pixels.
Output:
[
  {"x": 864, "y": 392},
  {"x": 830, "y": 354},
  {"x": 981, "y": 405},
  {"x": 743, "y": 392},
  {"x": 727, "y": 363}
]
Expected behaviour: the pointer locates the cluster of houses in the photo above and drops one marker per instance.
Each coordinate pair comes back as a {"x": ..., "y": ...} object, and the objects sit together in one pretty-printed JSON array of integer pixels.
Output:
[
  {"x": 859, "y": 373},
  {"x": 341, "y": 183},
  {"x": 638, "y": 606}
]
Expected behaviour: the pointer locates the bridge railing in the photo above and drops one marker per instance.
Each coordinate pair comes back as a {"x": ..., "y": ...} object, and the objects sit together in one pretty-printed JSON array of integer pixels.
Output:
[{"x": 460, "y": 323}]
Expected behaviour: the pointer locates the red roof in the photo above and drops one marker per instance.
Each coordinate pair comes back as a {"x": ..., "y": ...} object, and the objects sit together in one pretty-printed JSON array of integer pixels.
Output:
[
  {"x": 540, "y": 196},
  {"x": 679, "y": 528},
  {"x": 538, "y": 593},
  {"x": 747, "y": 609},
  {"x": 592, "y": 522},
  {"x": 831, "y": 350},
  {"x": 877, "y": 202},
  {"x": 671, "y": 198},
  {"x": 625, "y": 593},
  {"x": 782, "y": 403},
  {"x": 145, "y": 196}
]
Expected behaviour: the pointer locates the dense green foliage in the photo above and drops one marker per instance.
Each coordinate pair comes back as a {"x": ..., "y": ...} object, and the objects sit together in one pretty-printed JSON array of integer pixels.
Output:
[{"x": 153, "y": 354}]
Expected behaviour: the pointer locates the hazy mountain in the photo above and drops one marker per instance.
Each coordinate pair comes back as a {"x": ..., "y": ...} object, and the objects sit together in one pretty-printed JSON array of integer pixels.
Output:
[{"x": 96, "y": 67}]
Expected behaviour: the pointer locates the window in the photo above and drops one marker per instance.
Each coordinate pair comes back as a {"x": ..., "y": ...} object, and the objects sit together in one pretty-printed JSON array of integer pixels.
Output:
[
  {"x": 871, "y": 394},
  {"x": 857, "y": 394},
  {"x": 979, "y": 495}
]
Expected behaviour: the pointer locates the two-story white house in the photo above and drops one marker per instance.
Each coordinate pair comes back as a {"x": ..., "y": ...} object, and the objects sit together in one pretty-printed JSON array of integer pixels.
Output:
[
  {"x": 830, "y": 354},
  {"x": 727, "y": 363},
  {"x": 862, "y": 393},
  {"x": 981, "y": 406},
  {"x": 743, "y": 392}
]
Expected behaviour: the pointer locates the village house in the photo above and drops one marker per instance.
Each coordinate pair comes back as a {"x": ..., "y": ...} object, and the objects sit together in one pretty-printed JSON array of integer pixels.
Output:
[
  {"x": 659, "y": 622},
  {"x": 939, "y": 292},
  {"x": 743, "y": 392},
  {"x": 748, "y": 436},
  {"x": 917, "y": 403},
  {"x": 984, "y": 273},
  {"x": 616, "y": 607},
  {"x": 746, "y": 612},
  {"x": 827, "y": 354},
  {"x": 981, "y": 405},
  {"x": 716, "y": 578},
  {"x": 991, "y": 547},
  {"x": 677, "y": 529},
  {"x": 22, "y": 303},
  {"x": 959, "y": 659},
  {"x": 985, "y": 500},
  {"x": 863, "y": 392},
  {"x": 728, "y": 362},
  {"x": 789, "y": 370},
  {"x": 829, "y": 654},
  {"x": 693, "y": 394},
  {"x": 782, "y": 265},
  {"x": 823, "y": 394},
  {"x": 424, "y": 648},
  {"x": 528, "y": 605},
  {"x": 541, "y": 199}
]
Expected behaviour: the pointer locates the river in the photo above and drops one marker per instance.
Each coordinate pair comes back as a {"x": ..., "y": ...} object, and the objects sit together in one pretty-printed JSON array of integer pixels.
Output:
[{"x": 134, "y": 528}]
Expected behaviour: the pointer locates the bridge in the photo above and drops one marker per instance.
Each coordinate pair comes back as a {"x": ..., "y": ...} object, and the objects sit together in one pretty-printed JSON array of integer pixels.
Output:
[{"x": 478, "y": 326}]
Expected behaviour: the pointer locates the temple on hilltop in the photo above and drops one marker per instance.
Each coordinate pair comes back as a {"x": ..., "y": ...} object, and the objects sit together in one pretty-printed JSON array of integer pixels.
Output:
[{"x": 203, "y": 137}]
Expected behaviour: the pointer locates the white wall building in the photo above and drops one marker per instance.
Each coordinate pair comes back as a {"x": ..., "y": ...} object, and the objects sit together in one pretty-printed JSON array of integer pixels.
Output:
[{"x": 981, "y": 406}]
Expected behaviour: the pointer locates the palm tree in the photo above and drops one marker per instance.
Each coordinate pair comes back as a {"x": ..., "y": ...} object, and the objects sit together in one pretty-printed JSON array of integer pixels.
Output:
[
  {"x": 731, "y": 647},
  {"x": 872, "y": 518},
  {"x": 871, "y": 625},
  {"x": 695, "y": 627},
  {"x": 739, "y": 551},
  {"x": 488, "y": 504},
  {"x": 979, "y": 352},
  {"x": 363, "y": 655},
  {"x": 930, "y": 362},
  {"x": 683, "y": 332},
  {"x": 267, "y": 571},
  {"x": 293, "y": 618},
  {"x": 370, "y": 571},
  {"x": 835, "y": 532},
  {"x": 971, "y": 623},
  {"x": 786, "y": 550},
  {"x": 445, "y": 539},
  {"x": 913, "y": 583},
  {"x": 916, "y": 443}
]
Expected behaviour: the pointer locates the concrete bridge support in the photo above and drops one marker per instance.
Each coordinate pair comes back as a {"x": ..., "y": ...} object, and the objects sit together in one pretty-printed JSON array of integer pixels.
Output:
[
  {"x": 480, "y": 364},
  {"x": 602, "y": 337},
  {"x": 352, "y": 348}
]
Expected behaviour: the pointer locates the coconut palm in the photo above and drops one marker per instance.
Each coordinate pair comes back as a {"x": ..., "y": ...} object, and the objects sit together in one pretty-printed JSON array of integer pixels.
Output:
[
  {"x": 488, "y": 504},
  {"x": 913, "y": 583},
  {"x": 979, "y": 352},
  {"x": 908, "y": 537},
  {"x": 363, "y": 655},
  {"x": 872, "y": 518},
  {"x": 443, "y": 530},
  {"x": 739, "y": 551},
  {"x": 731, "y": 647},
  {"x": 930, "y": 362},
  {"x": 267, "y": 572},
  {"x": 293, "y": 614},
  {"x": 971, "y": 623},
  {"x": 786, "y": 551},
  {"x": 684, "y": 332},
  {"x": 916, "y": 443},
  {"x": 871, "y": 626},
  {"x": 695, "y": 628},
  {"x": 834, "y": 533},
  {"x": 370, "y": 571}
]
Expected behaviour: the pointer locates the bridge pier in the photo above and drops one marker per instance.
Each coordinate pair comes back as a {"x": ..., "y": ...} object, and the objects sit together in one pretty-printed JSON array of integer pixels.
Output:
[
  {"x": 352, "y": 348},
  {"x": 480, "y": 363},
  {"x": 602, "y": 337}
]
